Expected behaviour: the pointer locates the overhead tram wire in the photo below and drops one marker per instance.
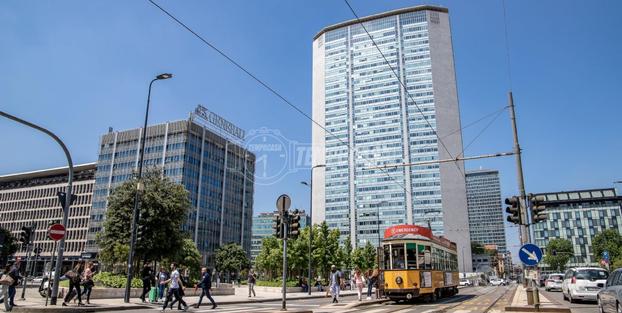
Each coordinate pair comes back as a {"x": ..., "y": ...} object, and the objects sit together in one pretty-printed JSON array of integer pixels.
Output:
[
  {"x": 481, "y": 132},
  {"x": 425, "y": 118},
  {"x": 476, "y": 121},
  {"x": 272, "y": 90}
]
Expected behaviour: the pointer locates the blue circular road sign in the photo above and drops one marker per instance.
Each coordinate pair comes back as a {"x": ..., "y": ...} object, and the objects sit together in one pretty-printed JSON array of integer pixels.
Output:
[{"x": 530, "y": 254}]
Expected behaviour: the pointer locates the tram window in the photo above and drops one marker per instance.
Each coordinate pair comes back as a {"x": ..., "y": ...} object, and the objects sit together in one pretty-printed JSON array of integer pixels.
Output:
[
  {"x": 411, "y": 252},
  {"x": 398, "y": 256},
  {"x": 387, "y": 257},
  {"x": 425, "y": 257}
]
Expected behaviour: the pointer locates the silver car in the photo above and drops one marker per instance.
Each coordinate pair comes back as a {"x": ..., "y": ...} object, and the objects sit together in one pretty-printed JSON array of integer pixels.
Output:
[{"x": 610, "y": 297}]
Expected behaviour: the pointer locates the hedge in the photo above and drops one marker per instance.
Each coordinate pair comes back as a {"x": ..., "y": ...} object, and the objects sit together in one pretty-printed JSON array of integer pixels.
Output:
[
  {"x": 110, "y": 280},
  {"x": 276, "y": 283}
]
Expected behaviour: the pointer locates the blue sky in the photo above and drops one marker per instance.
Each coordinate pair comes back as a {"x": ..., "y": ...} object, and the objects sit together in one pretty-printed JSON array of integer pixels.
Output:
[{"x": 79, "y": 67}]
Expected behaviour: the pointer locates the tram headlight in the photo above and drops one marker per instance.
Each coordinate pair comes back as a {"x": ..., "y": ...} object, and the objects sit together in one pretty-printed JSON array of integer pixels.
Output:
[{"x": 398, "y": 280}]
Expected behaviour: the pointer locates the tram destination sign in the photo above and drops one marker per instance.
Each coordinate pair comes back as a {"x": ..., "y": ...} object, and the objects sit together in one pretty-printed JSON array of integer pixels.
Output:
[{"x": 219, "y": 122}]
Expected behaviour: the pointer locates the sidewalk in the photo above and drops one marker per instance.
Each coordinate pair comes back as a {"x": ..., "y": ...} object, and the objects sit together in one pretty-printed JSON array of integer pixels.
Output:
[
  {"x": 519, "y": 303},
  {"x": 36, "y": 303}
]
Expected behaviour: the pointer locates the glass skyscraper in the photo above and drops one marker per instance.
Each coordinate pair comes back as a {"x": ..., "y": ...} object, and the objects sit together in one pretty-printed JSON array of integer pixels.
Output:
[
  {"x": 485, "y": 212},
  {"x": 217, "y": 173},
  {"x": 377, "y": 114}
]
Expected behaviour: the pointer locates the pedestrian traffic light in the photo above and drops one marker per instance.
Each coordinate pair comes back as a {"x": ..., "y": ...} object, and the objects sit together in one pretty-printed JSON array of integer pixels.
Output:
[
  {"x": 25, "y": 235},
  {"x": 277, "y": 225},
  {"x": 62, "y": 197},
  {"x": 513, "y": 210},
  {"x": 537, "y": 208},
  {"x": 294, "y": 224}
]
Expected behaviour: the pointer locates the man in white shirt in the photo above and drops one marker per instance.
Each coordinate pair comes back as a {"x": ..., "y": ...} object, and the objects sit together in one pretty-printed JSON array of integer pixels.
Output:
[{"x": 174, "y": 289}]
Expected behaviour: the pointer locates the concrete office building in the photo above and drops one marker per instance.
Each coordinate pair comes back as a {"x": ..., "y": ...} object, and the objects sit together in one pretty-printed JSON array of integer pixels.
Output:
[
  {"x": 262, "y": 228},
  {"x": 30, "y": 199},
  {"x": 485, "y": 211},
  {"x": 373, "y": 118},
  {"x": 217, "y": 172},
  {"x": 578, "y": 216}
]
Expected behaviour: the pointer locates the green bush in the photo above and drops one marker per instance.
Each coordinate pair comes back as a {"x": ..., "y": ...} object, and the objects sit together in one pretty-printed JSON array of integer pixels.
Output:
[
  {"x": 110, "y": 280},
  {"x": 276, "y": 283}
]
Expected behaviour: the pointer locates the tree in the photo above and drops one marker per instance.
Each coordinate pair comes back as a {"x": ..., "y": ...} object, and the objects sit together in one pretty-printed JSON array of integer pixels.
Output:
[
  {"x": 231, "y": 258},
  {"x": 163, "y": 210},
  {"x": 346, "y": 254},
  {"x": 326, "y": 250},
  {"x": 9, "y": 245},
  {"x": 608, "y": 240},
  {"x": 558, "y": 253},
  {"x": 364, "y": 258},
  {"x": 189, "y": 256},
  {"x": 269, "y": 257},
  {"x": 298, "y": 253},
  {"x": 477, "y": 248}
]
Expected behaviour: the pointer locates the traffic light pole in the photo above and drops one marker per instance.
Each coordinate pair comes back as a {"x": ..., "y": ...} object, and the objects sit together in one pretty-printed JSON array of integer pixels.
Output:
[
  {"x": 28, "y": 251},
  {"x": 61, "y": 246},
  {"x": 284, "y": 232},
  {"x": 524, "y": 230}
]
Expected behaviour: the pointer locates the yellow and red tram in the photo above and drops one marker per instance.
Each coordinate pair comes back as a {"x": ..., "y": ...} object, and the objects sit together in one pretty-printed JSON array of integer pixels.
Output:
[{"x": 418, "y": 264}]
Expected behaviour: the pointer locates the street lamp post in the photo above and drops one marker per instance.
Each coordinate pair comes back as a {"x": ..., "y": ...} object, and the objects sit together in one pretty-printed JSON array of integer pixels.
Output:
[
  {"x": 66, "y": 205},
  {"x": 139, "y": 189},
  {"x": 310, "y": 185}
]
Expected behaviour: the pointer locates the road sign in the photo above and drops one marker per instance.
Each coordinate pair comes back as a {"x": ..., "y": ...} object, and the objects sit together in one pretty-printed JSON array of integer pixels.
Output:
[
  {"x": 530, "y": 254},
  {"x": 283, "y": 203},
  {"x": 56, "y": 232},
  {"x": 606, "y": 255}
]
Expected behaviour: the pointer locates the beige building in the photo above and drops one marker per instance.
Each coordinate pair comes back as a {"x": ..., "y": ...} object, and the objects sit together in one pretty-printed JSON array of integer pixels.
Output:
[{"x": 31, "y": 199}]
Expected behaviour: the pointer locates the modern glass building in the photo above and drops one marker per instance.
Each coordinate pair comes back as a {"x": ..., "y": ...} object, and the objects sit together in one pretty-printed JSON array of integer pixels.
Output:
[
  {"x": 377, "y": 113},
  {"x": 217, "y": 172},
  {"x": 486, "y": 223},
  {"x": 262, "y": 228},
  {"x": 578, "y": 216}
]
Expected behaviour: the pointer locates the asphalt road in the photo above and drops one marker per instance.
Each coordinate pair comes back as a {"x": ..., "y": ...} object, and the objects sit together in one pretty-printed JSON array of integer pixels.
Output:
[
  {"x": 580, "y": 307},
  {"x": 470, "y": 300}
]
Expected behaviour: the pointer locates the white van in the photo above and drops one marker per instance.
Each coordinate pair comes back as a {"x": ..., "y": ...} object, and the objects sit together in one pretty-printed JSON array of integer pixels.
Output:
[{"x": 583, "y": 283}]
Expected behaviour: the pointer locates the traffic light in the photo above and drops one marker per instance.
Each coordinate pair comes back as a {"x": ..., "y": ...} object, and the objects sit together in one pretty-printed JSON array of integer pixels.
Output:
[
  {"x": 62, "y": 197},
  {"x": 537, "y": 208},
  {"x": 25, "y": 235},
  {"x": 513, "y": 210},
  {"x": 37, "y": 251},
  {"x": 294, "y": 224},
  {"x": 142, "y": 226},
  {"x": 277, "y": 225}
]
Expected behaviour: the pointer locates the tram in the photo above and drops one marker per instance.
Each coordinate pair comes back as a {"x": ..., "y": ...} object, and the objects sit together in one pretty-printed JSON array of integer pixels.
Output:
[{"x": 417, "y": 264}]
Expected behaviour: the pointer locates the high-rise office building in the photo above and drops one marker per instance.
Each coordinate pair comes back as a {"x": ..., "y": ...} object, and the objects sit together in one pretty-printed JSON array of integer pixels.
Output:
[
  {"x": 31, "y": 199},
  {"x": 485, "y": 211},
  {"x": 217, "y": 172},
  {"x": 378, "y": 112},
  {"x": 262, "y": 228},
  {"x": 578, "y": 216}
]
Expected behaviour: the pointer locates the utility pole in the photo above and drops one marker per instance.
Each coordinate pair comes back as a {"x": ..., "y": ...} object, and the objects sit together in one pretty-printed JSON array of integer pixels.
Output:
[{"x": 524, "y": 230}]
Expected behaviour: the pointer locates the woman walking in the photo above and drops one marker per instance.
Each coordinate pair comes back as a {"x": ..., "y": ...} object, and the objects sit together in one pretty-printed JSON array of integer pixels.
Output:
[
  {"x": 87, "y": 281},
  {"x": 358, "y": 280},
  {"x": 251, "y": 283},
  {"x": 74, "y": 283}
]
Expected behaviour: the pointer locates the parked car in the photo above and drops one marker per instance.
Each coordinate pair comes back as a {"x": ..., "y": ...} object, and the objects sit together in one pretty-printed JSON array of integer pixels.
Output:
[
  {"x": 610, "y": 297},
  {"x": 583, "y": 283},
  {"x": 496, "y": 282},
  {"x": 554, "y": 282},
  {"x": 465, "y": 282},
  {"x": 542, "y": 280}
]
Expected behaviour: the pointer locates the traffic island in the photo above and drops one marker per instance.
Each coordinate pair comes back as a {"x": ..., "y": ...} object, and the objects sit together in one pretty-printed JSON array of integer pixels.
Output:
[{"x": 519, "y": 303}]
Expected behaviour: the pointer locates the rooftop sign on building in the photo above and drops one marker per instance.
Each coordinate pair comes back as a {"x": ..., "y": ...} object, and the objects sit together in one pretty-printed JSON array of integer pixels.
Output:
[{"x": 219, "y": 122}]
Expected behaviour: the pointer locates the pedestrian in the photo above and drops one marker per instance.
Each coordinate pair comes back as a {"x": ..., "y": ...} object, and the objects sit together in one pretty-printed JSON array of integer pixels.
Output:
[
  {"x": 175, "y": 284},
  {"x": 163, "y": 276},
  {"x": 335, "y": 283},
  {"x": 251, "y": 283},
  {"x": 304, "y": 284},
  {"x": 358, "y": 281},
  {"x": 13, "y": 273},
  {"x": 146, "y": 276},
  {"x": 75, "y": 276},
  {"x": 371, "y": 281},
  {"x": 206, "y": 287},
  {"x": 87, "y": 281}
]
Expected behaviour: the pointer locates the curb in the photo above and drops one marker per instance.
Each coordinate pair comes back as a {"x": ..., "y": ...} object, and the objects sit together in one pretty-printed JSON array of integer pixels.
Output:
[
  {"x": 82, "y": 309},
  {"x": 532, "y": 309}
]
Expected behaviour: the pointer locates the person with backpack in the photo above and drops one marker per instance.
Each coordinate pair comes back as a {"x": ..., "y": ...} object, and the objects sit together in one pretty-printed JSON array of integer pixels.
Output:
[
  {"x": 74, "y": 277},
  {"x": 206, "y": 287},
  {"x": 162, "y": 277}
]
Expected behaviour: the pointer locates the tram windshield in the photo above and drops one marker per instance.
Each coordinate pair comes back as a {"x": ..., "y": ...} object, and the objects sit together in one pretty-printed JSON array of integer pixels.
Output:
[{"x": 408, "y": 256}]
